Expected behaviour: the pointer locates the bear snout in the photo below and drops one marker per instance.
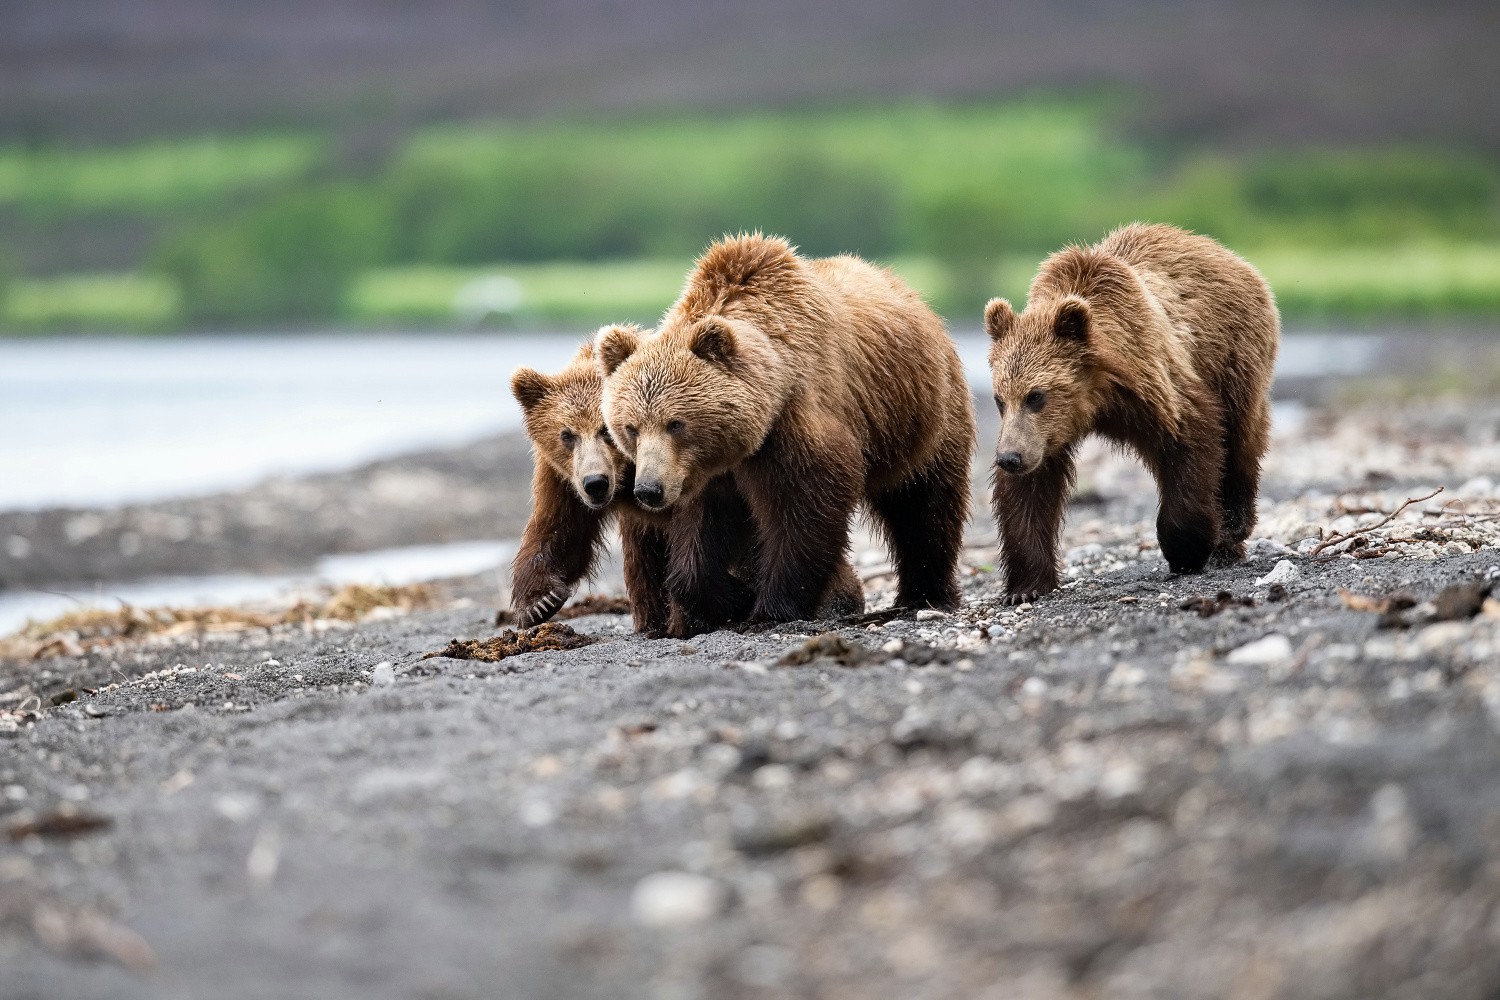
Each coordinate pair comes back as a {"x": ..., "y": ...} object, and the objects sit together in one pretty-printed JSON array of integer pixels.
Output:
[
  {"x": 1010, "y": 461},
  {"x": 596, "y": 487},
  {"x": 650, "y": 493}
]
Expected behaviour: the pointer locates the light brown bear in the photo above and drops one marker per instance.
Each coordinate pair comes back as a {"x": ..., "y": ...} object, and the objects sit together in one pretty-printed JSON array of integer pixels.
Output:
[
  {"x": 581, "y": 482},
  {"x": 1158, "y": 339},
  {"x": 817, "y": 384}
]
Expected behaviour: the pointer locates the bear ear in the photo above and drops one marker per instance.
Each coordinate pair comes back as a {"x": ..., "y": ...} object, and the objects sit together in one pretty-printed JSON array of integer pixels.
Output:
[
  {"x": 529, "y": 387},
  {"x": 612, "y": 346},
  {"x": 1073, "y": 320},
  {"x": 999, "y": 317},
  {"x": 713, "y": 341}
]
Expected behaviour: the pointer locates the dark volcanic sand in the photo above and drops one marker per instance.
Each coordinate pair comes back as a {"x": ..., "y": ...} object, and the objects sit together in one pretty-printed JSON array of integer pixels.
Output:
[{"x": 1099, "y": 804}]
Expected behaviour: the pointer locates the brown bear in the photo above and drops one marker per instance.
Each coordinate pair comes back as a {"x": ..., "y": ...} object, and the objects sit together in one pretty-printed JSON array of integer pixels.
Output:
[
  {"x": 817, "y": 384},
  {"x": 1160, "y": 340},
  {"x": 581, "y": 482}
]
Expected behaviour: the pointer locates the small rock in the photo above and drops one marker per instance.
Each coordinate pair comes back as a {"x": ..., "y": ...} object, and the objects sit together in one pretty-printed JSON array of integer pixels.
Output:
[
  {"x": 1283, "y": 573},
  {"x": 384, "y": 674},
  {"x": 995, "y": 631},
  {"x": 931, "y": 615},
  {"x": 830, "y": 645},
  {"x": 782, "y": 833},
  {"x": 892, "y": 646},
  {"x": 688, "y": 650},
  {"x": 675, "y": 899},
  {"x": 1278, "y": 594},
  {"x": 1460, "y": 601},
  {"x": 1270, "y": 649}
]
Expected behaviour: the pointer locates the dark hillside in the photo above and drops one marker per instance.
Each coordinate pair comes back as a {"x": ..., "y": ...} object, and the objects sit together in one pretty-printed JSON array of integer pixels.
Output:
[{"x": 1224, "y": 72}]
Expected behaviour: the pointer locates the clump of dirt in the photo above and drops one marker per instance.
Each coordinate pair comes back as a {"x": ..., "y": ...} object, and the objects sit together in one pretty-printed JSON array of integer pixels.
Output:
[
  {"x": 77, "y": 632},
  {"x": 1207, "y": 607},
  {"x": 593, "y": 604},
  {"x": 546, "y": 636},
  {"x": 829, "y": 645}
]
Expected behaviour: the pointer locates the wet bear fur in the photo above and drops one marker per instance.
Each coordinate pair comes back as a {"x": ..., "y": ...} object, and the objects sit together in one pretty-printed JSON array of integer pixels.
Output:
[
  {"x": 818, "y": 385},
  {"x": 1160, "y": 340}
]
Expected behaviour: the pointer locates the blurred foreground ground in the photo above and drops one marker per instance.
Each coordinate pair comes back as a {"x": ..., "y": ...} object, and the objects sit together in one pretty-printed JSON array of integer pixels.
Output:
[{"x": 1107, "y": 794}]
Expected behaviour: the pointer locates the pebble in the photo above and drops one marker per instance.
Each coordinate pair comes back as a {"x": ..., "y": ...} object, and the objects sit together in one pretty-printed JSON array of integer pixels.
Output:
[
  {"x": 1283, "y": 573},
  {"x": 384, "y": 674},
  {"x": 931, "y": 615},
  {"x": 675, "y": 899},
  {"x": 1269, "y": 649}
]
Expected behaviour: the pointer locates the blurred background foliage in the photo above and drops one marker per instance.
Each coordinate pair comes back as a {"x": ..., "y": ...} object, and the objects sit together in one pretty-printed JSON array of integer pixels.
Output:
[{"x": 592, "y": 220}]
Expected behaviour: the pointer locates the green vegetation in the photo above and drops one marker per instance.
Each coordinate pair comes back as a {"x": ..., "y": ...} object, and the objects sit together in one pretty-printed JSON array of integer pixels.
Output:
[
  {"x": 574, "y": 222},
  {"x": 119, "y": 301},
  {"x": 151, "y": 177}
]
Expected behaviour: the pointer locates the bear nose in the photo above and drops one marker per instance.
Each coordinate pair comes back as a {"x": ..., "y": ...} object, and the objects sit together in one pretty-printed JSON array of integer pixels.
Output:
[
  {"x": 597, "y": 487},
  {"x": 1010, "y": 461},
  {"x": 650, "y": 494}
]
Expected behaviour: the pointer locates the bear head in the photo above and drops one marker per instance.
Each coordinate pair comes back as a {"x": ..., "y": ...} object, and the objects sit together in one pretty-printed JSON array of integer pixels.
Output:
[
  {"x": 565, "y": 421},
  {"x": 1046, "y": 386},
  {"x": 685, "y": 404}
]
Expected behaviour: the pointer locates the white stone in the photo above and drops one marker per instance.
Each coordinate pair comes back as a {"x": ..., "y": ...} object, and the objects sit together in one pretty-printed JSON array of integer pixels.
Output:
[
  {"x": 1269, "y": 649},
  {"x": 1283, "y": 572},
  {"x": 675, "y": 899},
  {"x": 1264, "y": 548},
  {"x": 931, "y": 615},
  {"x": 1441, "y": 637},
  {"x": 384, "y": 674},
  {"x": 892, "y": 646}
]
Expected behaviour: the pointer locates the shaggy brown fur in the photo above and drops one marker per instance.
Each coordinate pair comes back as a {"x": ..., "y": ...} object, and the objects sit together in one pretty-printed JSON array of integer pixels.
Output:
[
  {"x": 581, "y": 481},
  {"x": 817, "y": 384},
  {"x": 1158, "y": 339}
]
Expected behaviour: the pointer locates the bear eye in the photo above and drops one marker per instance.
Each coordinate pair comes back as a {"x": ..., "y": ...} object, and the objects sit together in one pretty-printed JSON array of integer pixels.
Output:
[
  {"x": 675, "y": 426},
  {"x": 1000, "y": 405},
  {"x": 1035, "y": 400},
  {"x": 569, "y": 438},
  {"x": 631, "y": 431}
]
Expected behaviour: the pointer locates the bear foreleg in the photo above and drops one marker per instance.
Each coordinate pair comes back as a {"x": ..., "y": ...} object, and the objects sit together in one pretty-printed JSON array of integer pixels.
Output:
[
  {"x": 802, "y": 490},
  {"x": 1029, "y": 512},
  {"x": 643, "y": 547},
  {"x": 707, "y": 535},
  {"x": 558, "y": 548}
]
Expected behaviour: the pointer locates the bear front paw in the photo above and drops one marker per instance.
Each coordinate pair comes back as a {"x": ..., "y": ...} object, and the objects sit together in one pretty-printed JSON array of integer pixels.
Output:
[
  {"x": 1025, "y": 596},
  {"x": 542, "y": 609}
]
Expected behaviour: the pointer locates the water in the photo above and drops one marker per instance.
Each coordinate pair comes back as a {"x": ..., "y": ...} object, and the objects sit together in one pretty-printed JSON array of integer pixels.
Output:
[
  {"x": 88, "y": 422},
  {"x": 93, "y": 421},
  {"x": 408, "y": 564}
]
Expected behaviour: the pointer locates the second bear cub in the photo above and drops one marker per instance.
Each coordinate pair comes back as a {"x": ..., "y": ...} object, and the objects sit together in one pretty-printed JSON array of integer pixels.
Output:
[{"x": 1158, "y": 339}]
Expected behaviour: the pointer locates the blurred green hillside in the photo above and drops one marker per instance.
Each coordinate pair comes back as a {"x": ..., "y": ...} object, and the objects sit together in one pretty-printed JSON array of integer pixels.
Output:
[{"x": 583, "y": 221}]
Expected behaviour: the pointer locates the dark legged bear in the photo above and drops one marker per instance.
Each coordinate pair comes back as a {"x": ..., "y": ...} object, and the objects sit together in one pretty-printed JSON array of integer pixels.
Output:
[
  {"x": 818, "y": 384},
  {"x": 1158, "y": 339}
]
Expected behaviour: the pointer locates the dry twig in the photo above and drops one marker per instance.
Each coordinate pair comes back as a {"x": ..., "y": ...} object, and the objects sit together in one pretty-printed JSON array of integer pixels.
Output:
[{"x": 1339, "y": 539}]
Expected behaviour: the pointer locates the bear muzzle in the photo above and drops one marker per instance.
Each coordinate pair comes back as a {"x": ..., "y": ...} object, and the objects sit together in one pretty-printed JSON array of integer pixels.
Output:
[
  {"x": 596, "y": 490},
  {"x": 650, "y": 494},
  {"x": 1010, "y": 461}
]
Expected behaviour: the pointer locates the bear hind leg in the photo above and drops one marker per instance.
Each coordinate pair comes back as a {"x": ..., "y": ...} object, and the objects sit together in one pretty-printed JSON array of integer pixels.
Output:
[
  {"x": 924, "y": 520},
  {"x": 1245, "y": 443}
]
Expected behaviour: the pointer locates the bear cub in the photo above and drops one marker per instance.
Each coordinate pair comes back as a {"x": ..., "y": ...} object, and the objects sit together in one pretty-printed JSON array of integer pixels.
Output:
[{"x": 1160, "y": 340}]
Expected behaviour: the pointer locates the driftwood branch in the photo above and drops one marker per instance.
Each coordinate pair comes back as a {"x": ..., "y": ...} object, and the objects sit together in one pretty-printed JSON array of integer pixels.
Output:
[{"x": 1339, "y": 539}]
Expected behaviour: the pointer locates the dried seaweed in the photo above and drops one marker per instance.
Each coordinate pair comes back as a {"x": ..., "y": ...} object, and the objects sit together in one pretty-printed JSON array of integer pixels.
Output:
[{"x": 547, "y": 636}]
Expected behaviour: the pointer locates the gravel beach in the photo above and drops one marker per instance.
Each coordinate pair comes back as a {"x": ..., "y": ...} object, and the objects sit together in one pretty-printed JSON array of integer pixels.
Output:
[{"x": 1279, "y": 779}]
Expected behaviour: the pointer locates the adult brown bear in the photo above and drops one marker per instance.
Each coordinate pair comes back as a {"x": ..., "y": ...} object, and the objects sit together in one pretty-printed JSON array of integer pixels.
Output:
[
  {"x": 817, "y": 384},
  {"x": 1156, "y": 338}
]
